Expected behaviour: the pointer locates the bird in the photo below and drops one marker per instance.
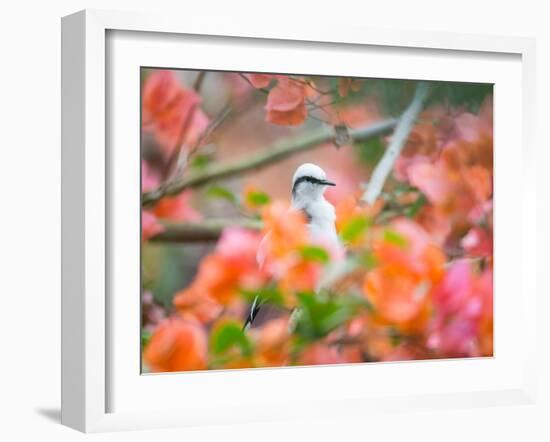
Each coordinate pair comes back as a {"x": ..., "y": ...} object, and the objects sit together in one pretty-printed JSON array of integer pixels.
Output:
[{"x": 309, "y": 184}]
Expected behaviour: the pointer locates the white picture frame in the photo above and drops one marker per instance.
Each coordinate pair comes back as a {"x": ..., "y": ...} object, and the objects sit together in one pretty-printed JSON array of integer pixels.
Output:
[{"x": 90, "y": 324}]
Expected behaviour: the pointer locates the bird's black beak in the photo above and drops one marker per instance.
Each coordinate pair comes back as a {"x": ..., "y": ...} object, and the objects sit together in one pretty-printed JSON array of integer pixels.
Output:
[{"x": 329, "y": 183}]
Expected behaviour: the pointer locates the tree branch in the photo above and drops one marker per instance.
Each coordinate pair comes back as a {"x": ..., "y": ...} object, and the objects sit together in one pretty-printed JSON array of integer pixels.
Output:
[
  {"x": 207, "y": 230},
  {"x": 199, "y": 81},
  {"x": 401, "y": 133},
  {"x": 278, "y": 151}
]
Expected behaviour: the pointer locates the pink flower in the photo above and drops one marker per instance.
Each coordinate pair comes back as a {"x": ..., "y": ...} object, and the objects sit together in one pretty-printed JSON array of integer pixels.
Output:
[
  {"x": 171, "y": 111},
  {"x": 478, "y": 242},
  {"x": 149, "y": 225},
  {"x": 149, "y": 180},
  {"x": 237, "y": 243},
  {"x": 346, "y": 186},
  {"x": 432, "y": 180},
  {"x": 463, "y": 312},
  {"x": 177, "y": 208}
]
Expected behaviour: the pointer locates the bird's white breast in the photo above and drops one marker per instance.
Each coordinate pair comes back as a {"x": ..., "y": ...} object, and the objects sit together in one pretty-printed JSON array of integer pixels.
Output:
[{"x": 321, "y": 225}]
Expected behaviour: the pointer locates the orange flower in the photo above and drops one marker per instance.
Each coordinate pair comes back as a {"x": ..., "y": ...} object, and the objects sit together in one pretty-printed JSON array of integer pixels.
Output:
[
  {"x": 350, "y": 213},
  {"x": 219, "y": 278},
  {"x": 280, "y": 255},
  {"x": 300, "y": 276},
  {"x": 177, "y": 345},
  {"x": 346, "y": 210},
  {"x": 484, "y": 286},
  {"x": 286, "y": 228},
  {"x": 274, "y": 343},
  {"x": 409, "y": 265},
  {"x": 196, "y": 303},
  {"x": 222, "y": 274}
]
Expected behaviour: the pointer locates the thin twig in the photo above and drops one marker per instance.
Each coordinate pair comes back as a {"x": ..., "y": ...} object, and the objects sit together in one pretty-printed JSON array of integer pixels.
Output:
[
  {"x": 316, "y": 105},
  {"x": 402, "y": 130},
  {"x": 175, "y": 157},
  {"x": 320, "y": 120},
  {"x": 311, "y": 85},
  {"x": 214, "y": 124},
  {"x": 199, "y": 81},
  {"x": 278, "y": 151},
  {"x": 245, "y": 78},
  {"x": 184, "y": 156}
]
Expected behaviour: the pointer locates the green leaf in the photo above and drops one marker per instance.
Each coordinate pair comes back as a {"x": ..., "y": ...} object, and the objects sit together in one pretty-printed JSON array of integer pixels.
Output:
[
  {"x": 256, "y": 198},
  {"x": 393, "y": 237},
  {"x": 395, "y": 337},
  {"x": 228, "y": 335},
  {"x": 315, "y": 254},
  {"x": 145, "y": 337},
  {"x": 368, "y": 260},
  {"x": 354, "y": 228},
  {"x": 200, "y": 161},
  {"x": 415, "y": 207},
  {"x": 337, "y": 270},
  {"x": 221, "y": 193},
  {"x": 371, "y": 151},
  {"x": 269, "y": 294},
  {"x": 320, "y": 314}
]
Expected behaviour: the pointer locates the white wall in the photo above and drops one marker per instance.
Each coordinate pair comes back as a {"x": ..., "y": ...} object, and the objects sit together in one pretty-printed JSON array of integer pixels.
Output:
[{"x": 30, "y": 220}]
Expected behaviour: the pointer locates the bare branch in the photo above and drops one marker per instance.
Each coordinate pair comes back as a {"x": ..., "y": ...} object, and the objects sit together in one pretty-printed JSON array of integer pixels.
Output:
[
  {"x": 402, "y": 130},
  {"x": 277, "y": 152},
  {"x": 178, "y": 149},
  {"x": 199, "y": 81},
  {"x": 207, "y": 230},
  {"x": 185, "y": 155}
]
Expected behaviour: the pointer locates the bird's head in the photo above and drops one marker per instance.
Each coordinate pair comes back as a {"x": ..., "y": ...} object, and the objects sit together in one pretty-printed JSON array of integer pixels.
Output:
[{"x": 309, "y": 182}]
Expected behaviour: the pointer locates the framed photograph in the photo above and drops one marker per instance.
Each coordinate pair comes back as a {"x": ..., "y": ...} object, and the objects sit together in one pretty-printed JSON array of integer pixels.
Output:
[{"x": 281, "y": 223}]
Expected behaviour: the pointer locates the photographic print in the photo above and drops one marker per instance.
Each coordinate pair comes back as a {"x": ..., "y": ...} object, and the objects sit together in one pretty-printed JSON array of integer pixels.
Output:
[{"x": 302, "y": 220}]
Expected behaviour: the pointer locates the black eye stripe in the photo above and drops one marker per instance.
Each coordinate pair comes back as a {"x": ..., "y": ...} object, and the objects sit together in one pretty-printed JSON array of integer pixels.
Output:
[{"x": 308, "y": 179}]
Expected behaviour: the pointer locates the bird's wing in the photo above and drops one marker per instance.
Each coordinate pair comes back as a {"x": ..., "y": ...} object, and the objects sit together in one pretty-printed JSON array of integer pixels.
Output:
[
  {"x": 261, "y": 253},
  {"x": 254, "y": 309}
]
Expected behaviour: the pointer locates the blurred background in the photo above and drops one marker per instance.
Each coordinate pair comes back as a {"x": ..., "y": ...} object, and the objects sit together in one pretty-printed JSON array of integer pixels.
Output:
[{"x": 439, "y": 194}]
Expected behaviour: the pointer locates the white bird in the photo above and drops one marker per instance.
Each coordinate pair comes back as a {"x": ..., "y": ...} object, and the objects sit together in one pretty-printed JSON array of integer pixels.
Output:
[{"x": 308, "y": 187}]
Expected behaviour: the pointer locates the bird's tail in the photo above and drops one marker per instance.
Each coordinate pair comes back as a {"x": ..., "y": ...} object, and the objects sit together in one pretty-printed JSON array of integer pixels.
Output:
[{"x": 254, "y": 309}]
